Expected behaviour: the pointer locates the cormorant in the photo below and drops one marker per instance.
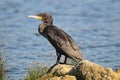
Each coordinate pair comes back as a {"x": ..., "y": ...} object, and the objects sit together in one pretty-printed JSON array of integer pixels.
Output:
[{"x": 60, "y": 40}]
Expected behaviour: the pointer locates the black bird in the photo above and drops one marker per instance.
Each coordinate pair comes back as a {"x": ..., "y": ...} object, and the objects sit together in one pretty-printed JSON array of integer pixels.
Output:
[{"x": 60, "y": 40}]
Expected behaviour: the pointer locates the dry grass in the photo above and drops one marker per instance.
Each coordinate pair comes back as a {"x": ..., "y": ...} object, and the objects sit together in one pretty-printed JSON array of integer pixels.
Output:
[
  {"x": 35, "y": 71},
  {"x": 2, "y": 68}
]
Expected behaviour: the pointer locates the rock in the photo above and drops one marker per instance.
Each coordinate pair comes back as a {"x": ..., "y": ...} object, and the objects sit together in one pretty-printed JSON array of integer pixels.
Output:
[
  {"x": 85, "y": 71},
  {"x": 66, "y": 77},
  {"x": 55, "y": 78},
  {"x": 91, "y": 71},
  {"x": 61, "y": 69}
]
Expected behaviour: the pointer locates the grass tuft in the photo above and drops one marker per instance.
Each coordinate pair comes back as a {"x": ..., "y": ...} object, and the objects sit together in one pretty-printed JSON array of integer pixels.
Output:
[
  {"x": 2, "y": 68},
  {"x": 3, "y": 64},
  {"x": 35, "y": 71}
]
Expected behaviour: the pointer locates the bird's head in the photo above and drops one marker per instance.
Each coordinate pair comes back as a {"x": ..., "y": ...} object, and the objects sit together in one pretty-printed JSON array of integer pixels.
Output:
[{"x": 45, "y": 17}]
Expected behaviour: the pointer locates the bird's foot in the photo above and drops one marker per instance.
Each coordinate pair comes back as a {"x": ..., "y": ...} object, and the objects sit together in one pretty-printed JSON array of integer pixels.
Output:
[
  {"x": 77, "y": 65},
  {"x": 52, "y": 67}
]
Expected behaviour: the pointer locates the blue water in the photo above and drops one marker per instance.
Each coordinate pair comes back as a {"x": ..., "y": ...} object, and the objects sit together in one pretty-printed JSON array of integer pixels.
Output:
[{"x": 93, "y": 24}]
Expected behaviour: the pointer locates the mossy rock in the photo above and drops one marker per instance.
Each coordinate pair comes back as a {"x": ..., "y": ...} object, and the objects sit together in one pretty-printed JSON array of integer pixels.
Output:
[{"x": 85, "y": 71}]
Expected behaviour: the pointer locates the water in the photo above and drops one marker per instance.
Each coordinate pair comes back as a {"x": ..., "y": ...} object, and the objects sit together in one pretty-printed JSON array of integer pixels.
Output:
[{"x": 93, "y": 24}]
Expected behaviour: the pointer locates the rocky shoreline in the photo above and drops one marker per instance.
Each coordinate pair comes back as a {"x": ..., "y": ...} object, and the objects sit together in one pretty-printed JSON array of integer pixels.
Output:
[{"x": 85, "y": 71}]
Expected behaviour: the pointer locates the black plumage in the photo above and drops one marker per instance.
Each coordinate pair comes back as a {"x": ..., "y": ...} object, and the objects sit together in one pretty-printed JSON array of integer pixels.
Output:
[{"x": 60, "y": 40}]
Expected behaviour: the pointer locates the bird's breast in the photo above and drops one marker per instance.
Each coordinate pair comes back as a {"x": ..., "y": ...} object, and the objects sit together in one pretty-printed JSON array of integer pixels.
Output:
[{"x": 41, "y": 29}]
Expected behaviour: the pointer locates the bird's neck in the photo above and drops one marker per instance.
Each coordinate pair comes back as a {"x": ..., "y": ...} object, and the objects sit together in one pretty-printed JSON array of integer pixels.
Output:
[{"x": 42, "y": 27}]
